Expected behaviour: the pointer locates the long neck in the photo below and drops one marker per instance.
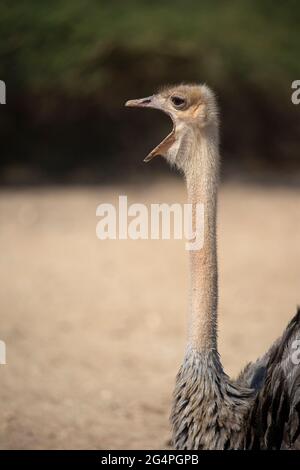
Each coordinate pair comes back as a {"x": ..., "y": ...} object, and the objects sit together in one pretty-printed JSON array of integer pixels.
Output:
[{"x": 201, "y": 174}]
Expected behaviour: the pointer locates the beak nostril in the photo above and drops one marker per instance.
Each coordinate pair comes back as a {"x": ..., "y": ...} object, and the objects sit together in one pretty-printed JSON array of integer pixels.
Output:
[{"x": 146, "y": 101}]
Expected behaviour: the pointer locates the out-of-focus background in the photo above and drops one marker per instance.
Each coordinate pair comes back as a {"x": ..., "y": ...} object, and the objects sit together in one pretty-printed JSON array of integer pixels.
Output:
[{"x": 95, "y": 330}]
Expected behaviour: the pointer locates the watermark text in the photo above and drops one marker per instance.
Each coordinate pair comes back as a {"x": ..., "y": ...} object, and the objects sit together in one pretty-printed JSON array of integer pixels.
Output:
[{"x": 160, "y": 221}]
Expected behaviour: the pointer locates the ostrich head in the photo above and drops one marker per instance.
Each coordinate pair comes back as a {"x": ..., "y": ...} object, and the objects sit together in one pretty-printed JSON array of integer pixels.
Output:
[{"x": 193, "y": 111}]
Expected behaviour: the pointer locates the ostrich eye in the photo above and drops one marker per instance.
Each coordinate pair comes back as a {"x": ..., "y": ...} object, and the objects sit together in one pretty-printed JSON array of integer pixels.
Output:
[{"x": 178, "y": 102}]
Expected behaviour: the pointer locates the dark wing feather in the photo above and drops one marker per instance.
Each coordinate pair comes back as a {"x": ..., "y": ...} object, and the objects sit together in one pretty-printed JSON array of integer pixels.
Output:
[{"x": 274, "y": 418}]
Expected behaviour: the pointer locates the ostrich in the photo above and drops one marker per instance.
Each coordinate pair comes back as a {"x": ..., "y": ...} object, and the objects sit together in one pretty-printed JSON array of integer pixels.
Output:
[{"x": 261, "y": 409}]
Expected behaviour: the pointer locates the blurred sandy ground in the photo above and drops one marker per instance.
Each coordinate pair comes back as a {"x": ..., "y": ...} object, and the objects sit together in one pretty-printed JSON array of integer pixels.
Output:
[{"x": 95, "y": 330}]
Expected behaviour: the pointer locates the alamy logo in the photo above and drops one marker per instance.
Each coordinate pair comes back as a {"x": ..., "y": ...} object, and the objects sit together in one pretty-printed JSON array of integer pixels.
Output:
[
  {"x": 2, "y": 92},
  {"x": 296, "y": 94},
  {"x": 136, "y": 222},
  {"x": 2, "y": 352}
]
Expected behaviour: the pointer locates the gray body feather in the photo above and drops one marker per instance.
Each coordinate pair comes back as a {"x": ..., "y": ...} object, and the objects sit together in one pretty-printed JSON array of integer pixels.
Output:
[{"x": 260, "y": 410}]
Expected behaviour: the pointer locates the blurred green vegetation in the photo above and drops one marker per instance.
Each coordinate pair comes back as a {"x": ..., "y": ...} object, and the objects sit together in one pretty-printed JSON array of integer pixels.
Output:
[{"x": 70, "y": 65}]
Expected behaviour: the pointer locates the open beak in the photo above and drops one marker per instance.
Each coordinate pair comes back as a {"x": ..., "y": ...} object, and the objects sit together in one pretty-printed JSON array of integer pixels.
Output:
[{"x": 154, "y": 102}]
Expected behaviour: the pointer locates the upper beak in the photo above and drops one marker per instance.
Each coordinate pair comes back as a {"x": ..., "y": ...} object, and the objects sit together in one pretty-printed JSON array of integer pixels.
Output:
[{"x": 141, "y": 103}]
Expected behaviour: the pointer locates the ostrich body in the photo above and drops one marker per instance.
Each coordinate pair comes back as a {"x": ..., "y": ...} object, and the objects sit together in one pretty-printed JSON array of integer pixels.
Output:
[{"x": 261, "y": 409}]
